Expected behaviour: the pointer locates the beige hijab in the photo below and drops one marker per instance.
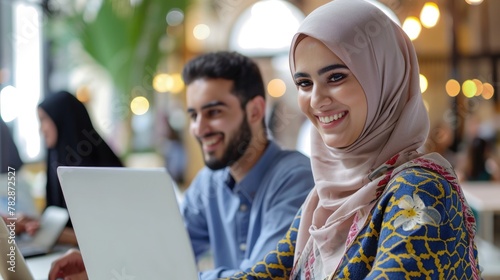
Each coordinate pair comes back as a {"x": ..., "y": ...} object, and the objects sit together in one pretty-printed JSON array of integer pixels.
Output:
[{"x": 383, "y": 60}]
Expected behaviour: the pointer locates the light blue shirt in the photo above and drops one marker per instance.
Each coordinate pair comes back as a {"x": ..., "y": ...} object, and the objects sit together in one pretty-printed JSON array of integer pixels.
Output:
[{"x": 240, "y": 223}]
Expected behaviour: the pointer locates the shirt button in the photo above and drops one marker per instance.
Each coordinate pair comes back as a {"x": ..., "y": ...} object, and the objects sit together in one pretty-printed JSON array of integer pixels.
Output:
[
  {"x": 243, "y": 207},
  {"x": 243, "y": 247}
]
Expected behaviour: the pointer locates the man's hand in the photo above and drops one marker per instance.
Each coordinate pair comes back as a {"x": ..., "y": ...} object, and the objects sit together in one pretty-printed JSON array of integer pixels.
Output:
[{"x": 69, "y": 267}]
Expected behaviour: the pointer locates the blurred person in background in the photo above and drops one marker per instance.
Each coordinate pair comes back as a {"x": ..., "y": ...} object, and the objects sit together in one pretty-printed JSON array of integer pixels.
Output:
[
  {"x": 71, "y": 140},
  {"x": 15, "y": 191},
  {"x": 479, "y": 161}
]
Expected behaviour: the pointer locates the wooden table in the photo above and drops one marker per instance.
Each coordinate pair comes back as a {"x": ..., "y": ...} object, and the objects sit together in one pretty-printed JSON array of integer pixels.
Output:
[{"x": 484, "y": 197}]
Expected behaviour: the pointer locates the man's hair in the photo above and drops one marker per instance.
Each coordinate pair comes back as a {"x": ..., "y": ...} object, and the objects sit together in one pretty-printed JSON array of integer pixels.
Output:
[{"x": 232, "y": 66}]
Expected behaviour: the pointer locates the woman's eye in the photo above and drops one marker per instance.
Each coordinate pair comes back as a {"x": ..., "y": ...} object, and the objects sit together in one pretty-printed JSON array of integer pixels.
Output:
[
  {"x": 337, "y": 77},
  {"x": 303, "y": 83}
]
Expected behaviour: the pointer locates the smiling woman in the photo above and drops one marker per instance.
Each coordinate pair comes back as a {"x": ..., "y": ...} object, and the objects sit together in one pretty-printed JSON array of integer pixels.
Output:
[
  {"x": 330, "y": 96},
  {"x": 380, "y": 208}
]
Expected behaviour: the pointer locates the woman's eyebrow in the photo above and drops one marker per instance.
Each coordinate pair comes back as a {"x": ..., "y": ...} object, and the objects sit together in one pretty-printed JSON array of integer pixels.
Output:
[
  {"x": 320, "y": 71},
  {"x": 331, "y": 67},
  {"x": 301, "y": 75}
]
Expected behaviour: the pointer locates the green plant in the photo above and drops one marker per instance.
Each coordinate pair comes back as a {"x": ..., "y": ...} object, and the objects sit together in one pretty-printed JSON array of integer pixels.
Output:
[{"x": 122, "y": 37}]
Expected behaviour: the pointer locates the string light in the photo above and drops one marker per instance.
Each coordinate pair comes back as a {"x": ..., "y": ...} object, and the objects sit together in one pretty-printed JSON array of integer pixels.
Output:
[
  {"x": 488, "y": 91},
  {"x": 412, "y": 27},
  {"x": 469, "y": 88},
  {"x": 479, "y": 86},
  {"x": 429, "y": 15},
  {"x": 452, "y": 87}
]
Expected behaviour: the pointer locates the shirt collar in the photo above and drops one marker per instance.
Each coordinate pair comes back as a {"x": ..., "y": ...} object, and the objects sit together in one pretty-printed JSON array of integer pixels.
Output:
[{"x": 253, "y": 180}]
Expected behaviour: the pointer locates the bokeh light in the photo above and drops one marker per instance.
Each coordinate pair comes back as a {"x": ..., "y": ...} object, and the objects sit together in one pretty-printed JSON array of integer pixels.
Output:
[
  {"x": 175, "y": 17},
  {"x": 162, "y": 82},
  {"x": 139, "y": 105},
  {"x": 423, "y": 83},
  {"x": 479, "y": 86},
  {"x": 276, "y": 88},
  {"x": 429, "y": 15},
  {"x": 488, "y": 91},
  {"x": 469, "y": 88},
  {"x": 168, "y": 83},
  {"x": 177, "y": 84},
  {"x": 452, "y": 87},
  {"x": 412, "y": 27},
  {"x": 201, "y": 31}
]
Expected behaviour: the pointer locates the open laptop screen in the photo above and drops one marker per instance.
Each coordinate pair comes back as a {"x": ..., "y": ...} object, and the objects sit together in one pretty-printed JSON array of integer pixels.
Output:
[{"x": 127, "y": 223}]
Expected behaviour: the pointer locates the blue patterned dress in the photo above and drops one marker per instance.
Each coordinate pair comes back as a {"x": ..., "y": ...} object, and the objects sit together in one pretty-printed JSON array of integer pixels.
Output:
[{"x": 420, "y": 228}]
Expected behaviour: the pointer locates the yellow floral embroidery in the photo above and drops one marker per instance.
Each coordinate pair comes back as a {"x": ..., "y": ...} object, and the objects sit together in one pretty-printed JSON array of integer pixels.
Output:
[{"x": 415, "y": 213}]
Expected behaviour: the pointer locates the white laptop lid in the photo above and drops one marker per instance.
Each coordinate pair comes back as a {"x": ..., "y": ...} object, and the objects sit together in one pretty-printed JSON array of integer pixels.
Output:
[
  {"x": 12, "y": 263},
  {"x": 127, "y": 222}
]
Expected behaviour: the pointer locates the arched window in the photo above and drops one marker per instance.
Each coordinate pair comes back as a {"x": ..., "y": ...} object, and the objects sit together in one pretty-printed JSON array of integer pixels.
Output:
[{"x": 265, "y": 29}]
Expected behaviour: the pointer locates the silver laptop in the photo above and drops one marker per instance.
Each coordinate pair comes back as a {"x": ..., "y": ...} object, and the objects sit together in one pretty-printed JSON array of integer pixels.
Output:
[
  {"x": 128, "y": 223},
  {"x": 52, "y": 223},
  {"x": 12, "y": 263}
]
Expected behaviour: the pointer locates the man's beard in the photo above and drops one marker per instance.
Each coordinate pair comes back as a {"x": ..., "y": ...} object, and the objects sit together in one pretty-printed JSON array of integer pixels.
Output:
[{"x": 235, "y": 150}]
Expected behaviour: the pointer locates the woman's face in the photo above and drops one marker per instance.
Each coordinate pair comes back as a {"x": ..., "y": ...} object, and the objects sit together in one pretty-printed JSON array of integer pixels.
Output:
[
  {"x": 329, "y": 94},
  {"x": 48, "y": 128}
]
